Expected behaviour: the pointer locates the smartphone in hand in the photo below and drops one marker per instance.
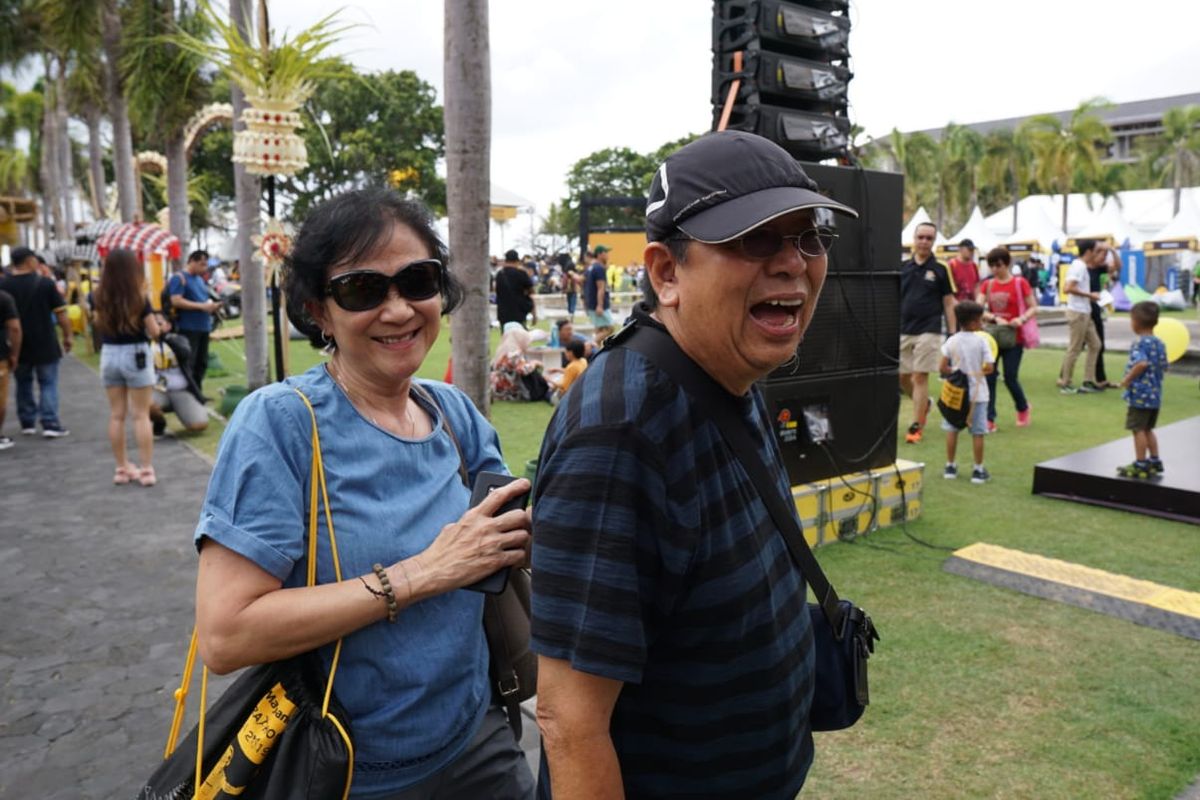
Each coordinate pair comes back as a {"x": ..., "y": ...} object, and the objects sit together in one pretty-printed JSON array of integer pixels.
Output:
[{"x": 485, "y": 484}]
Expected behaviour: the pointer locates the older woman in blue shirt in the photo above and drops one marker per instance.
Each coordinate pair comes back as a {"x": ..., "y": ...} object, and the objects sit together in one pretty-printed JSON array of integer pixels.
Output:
[{"x": 367, "y": 280}]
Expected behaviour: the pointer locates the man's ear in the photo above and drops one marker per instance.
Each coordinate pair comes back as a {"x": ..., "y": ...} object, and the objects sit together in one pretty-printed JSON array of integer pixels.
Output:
[{"x": 661, "y": 271}]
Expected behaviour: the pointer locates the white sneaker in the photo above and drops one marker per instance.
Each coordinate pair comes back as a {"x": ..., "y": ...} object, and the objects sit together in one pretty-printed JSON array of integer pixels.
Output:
[
  {"x": 28, "y": 431},
  {"x": 5, "y": 442},
  {"x": 55, "y": 433}
]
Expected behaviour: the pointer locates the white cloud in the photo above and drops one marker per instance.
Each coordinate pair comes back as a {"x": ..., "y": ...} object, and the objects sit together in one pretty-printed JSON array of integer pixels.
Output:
[{"x": 570, "y": 77}]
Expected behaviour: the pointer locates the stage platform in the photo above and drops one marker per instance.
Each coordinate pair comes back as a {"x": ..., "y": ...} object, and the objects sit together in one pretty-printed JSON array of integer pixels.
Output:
[{"x": 1090, "y": 476}]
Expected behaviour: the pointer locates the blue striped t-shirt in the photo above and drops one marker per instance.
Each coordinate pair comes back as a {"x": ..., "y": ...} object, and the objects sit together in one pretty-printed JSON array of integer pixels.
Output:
[{"x": 656, "y": 563}]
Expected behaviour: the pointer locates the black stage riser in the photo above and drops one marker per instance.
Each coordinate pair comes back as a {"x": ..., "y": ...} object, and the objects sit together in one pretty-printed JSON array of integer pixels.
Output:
[
  {"x": 862, "y": 409},
  {"x": 1089, "y": 476}
]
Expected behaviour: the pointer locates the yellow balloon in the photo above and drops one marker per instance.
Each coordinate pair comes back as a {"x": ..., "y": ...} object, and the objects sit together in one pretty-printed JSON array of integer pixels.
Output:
[
  {"x": 991, "y": 343},
  {"x": 1174, "y": 335}
]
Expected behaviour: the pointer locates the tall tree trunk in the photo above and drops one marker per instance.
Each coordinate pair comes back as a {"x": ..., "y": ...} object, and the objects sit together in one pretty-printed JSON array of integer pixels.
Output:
[
  {"x": 178, "y": 207},
  {"x": 51, "y": 163},
  {"x": 96, "y": 161},
  {"x": 66, "y": 173},
  {"x": 468, "y": 123},
  {"x": 247, "y": 200},
  {"x": 1178, "y": 183},
  {"x": 126, "y": 179},
  {"x": 1016, "y": 194},
  {"x": 1066, "y": 197}
]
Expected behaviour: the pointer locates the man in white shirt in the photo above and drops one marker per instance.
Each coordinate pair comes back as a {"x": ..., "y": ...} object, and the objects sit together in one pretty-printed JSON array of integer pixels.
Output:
[{"x": 1077, "y": 287}]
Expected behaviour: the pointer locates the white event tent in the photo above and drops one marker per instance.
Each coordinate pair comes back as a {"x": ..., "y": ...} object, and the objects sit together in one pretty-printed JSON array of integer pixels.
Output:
[
  {"x": 1109, "y": 224},
  {"x": 1037, "y": 233},
  {"x": 977, "y": 231}
]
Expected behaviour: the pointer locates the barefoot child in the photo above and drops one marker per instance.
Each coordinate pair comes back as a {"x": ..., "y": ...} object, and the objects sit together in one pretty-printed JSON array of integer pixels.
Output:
[
  {"x": 969, "y": 352},
  {"x": 1143, "y": 391}
]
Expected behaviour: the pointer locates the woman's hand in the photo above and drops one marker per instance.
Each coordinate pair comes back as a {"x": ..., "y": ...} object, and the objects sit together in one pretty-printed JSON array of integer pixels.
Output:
[{"x": 474, "y": 547}]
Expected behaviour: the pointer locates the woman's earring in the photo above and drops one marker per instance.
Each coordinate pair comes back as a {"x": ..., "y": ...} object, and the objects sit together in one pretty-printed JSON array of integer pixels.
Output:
[{"x": 328, "y": 342}]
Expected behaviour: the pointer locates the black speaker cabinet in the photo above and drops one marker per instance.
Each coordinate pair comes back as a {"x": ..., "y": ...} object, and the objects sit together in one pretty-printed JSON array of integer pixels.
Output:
[
  {"x": 853, "y": 413},
  {"x": 856, "y": 326},
  {"x": 870, "y": 243}
]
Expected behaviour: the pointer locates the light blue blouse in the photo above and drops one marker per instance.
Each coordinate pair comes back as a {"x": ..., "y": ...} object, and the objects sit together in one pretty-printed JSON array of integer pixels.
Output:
[{"x": 416, "y": 690}]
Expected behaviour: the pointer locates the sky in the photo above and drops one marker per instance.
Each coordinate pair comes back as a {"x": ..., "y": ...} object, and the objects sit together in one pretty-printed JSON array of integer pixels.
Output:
[{"x": 573, "y": 76}]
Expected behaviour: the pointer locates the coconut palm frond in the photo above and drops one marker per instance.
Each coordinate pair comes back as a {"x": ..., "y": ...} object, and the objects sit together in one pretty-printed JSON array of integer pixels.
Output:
[{"x": 288, "y": 71}]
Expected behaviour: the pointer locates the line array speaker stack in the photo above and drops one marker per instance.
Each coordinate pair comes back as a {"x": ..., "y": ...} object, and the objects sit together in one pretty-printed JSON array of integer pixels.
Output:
[
  {"x": 792, "y": 86},
  {"x": 835, "y": 405}
]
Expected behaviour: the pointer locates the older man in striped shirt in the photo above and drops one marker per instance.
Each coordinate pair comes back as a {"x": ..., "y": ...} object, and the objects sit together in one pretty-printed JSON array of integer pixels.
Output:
[{"x": 675, "y": 649}]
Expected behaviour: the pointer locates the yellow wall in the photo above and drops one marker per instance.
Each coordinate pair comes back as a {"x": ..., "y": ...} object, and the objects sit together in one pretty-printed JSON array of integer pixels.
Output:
[{"x": 626, "y": 247}]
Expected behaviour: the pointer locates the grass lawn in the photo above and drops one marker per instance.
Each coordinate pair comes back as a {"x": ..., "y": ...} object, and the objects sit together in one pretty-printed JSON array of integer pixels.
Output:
[{"x": 978, "y": 691}]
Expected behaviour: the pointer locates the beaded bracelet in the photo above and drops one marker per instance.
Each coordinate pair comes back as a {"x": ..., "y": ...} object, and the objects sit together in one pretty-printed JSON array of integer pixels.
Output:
[{"x": 392, "y": 607}]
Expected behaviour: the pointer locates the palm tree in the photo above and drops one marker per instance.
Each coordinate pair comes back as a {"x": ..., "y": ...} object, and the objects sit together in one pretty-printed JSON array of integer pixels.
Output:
[
  {"x": 118, "y": 109},
  {"x": 247, "y": 201},
  {"x": 964, "y": 151},
  {"x": 1067, "y": 156},
  {"x": 468, "y": 117},
  {"x": 1007, "y": 165},
  {"x": 1173, "y": 157},
  {"x": 165, "y": 91}
]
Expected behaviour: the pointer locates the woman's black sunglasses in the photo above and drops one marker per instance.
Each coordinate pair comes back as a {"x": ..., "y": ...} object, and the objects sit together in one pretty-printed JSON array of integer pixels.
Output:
[
  {"x": 365, "y": 289},
  {"x": 765, "y": 243}
]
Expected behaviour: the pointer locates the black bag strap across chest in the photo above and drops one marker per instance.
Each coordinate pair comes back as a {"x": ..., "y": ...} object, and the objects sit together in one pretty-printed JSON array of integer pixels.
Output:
[{"x": 714, "y": 402}]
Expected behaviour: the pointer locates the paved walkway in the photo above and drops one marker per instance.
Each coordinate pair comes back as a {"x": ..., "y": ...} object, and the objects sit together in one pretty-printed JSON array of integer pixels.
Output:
[
  {"x": 96, "y": 587},
  {"x": 96, "y": 598}
]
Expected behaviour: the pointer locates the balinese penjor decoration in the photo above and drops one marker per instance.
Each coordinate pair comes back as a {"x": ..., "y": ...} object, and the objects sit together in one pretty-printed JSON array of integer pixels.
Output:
[{"x": 270, "y": 145}]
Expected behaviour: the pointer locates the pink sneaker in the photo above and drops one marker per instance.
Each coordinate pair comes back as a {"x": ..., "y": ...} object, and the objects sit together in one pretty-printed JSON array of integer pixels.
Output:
[
  {"x": 991, "y": 427},
  {"x": 1023, "y": 418}
]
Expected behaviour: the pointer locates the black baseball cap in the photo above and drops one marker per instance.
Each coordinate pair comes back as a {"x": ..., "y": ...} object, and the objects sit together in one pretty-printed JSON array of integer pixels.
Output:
[{"x": 727, "y": 183}]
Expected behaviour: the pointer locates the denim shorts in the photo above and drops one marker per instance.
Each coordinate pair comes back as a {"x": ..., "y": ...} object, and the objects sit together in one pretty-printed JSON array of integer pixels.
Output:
[
  {"x": 976, "y": 423},
  {"x": 118, "y": 365}
]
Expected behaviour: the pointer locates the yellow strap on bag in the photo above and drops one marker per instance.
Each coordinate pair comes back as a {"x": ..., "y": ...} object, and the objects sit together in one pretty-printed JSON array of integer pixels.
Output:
[{"x": 316, "y": 480}]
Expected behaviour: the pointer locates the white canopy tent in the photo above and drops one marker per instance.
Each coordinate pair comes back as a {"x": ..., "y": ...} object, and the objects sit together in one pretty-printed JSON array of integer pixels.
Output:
[
  {"x": 919, "y": 218},
  {"x": 1185, "y": 226},
  {"x": 1108, "y": 224},
  {"x": 1037, "y": 233},
  {"x": 977, "y": 231}
]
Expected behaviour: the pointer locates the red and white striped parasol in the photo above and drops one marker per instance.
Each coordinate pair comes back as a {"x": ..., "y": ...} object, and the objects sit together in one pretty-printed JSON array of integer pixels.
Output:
[{"x": 140, "y": 237}]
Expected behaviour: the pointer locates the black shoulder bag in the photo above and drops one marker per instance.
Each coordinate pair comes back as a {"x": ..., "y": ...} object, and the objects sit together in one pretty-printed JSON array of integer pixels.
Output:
[
  {"x": 513, "y": 666},
  {"x": 843, "y": 634}
]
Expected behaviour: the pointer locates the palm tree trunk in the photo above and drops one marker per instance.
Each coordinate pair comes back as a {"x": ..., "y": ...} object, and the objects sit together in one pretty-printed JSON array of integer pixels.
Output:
[
  {"x": 1177, "y": 185},
  {"x": 247, "y": 194},
  {"x": 96, "y": 161},
  {"x": 66, "y": 174},
  {"x": 1066, "y": 197},
  {"x": 1016, "y": 193},
  {"x": 178, "y": 208},
  {"x": 127, "y": 188},
  {"x": 468, "y": 123},
  {"x": 51, "y": 163}
]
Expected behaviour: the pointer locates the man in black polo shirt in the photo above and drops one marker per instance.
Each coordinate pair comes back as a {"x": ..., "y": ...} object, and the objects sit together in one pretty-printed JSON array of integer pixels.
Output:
[
  {"x": 926, "y": 295},
  {"x": 39, "y": 304},
  {"x": 514, "y": 291},
  {"x": 675, "y": 649}
]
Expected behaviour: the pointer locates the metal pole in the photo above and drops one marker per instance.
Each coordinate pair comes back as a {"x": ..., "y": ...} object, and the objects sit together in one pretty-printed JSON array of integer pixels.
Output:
[{"x": 276, "y": 307}]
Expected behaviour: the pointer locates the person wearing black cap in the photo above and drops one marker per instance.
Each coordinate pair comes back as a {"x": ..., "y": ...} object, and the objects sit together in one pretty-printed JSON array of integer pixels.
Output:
[
  {"x": 514, "y": 291},
  {"x": 660, "y": 584},
  {"x": 39, "y": 304}
]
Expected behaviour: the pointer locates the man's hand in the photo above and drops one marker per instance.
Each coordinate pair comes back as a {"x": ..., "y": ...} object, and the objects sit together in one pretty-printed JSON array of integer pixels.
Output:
[{"x": 67, "y": 343}]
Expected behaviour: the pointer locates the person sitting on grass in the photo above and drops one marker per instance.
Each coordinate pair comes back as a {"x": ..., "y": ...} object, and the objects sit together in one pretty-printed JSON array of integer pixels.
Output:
[
  {"x": 561, "y": 379},
  {"x": 968, "y": 352},
  {"x": 1143, "y": 391}
]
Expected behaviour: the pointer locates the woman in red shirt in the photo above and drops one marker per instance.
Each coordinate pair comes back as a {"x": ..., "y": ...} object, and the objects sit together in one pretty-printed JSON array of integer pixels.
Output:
[{"x": 1007, "y": 300}]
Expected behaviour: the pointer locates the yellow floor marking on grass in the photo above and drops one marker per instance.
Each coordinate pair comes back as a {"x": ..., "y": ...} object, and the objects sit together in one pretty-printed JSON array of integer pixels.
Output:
[{"x": 1122, "y": 587}]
